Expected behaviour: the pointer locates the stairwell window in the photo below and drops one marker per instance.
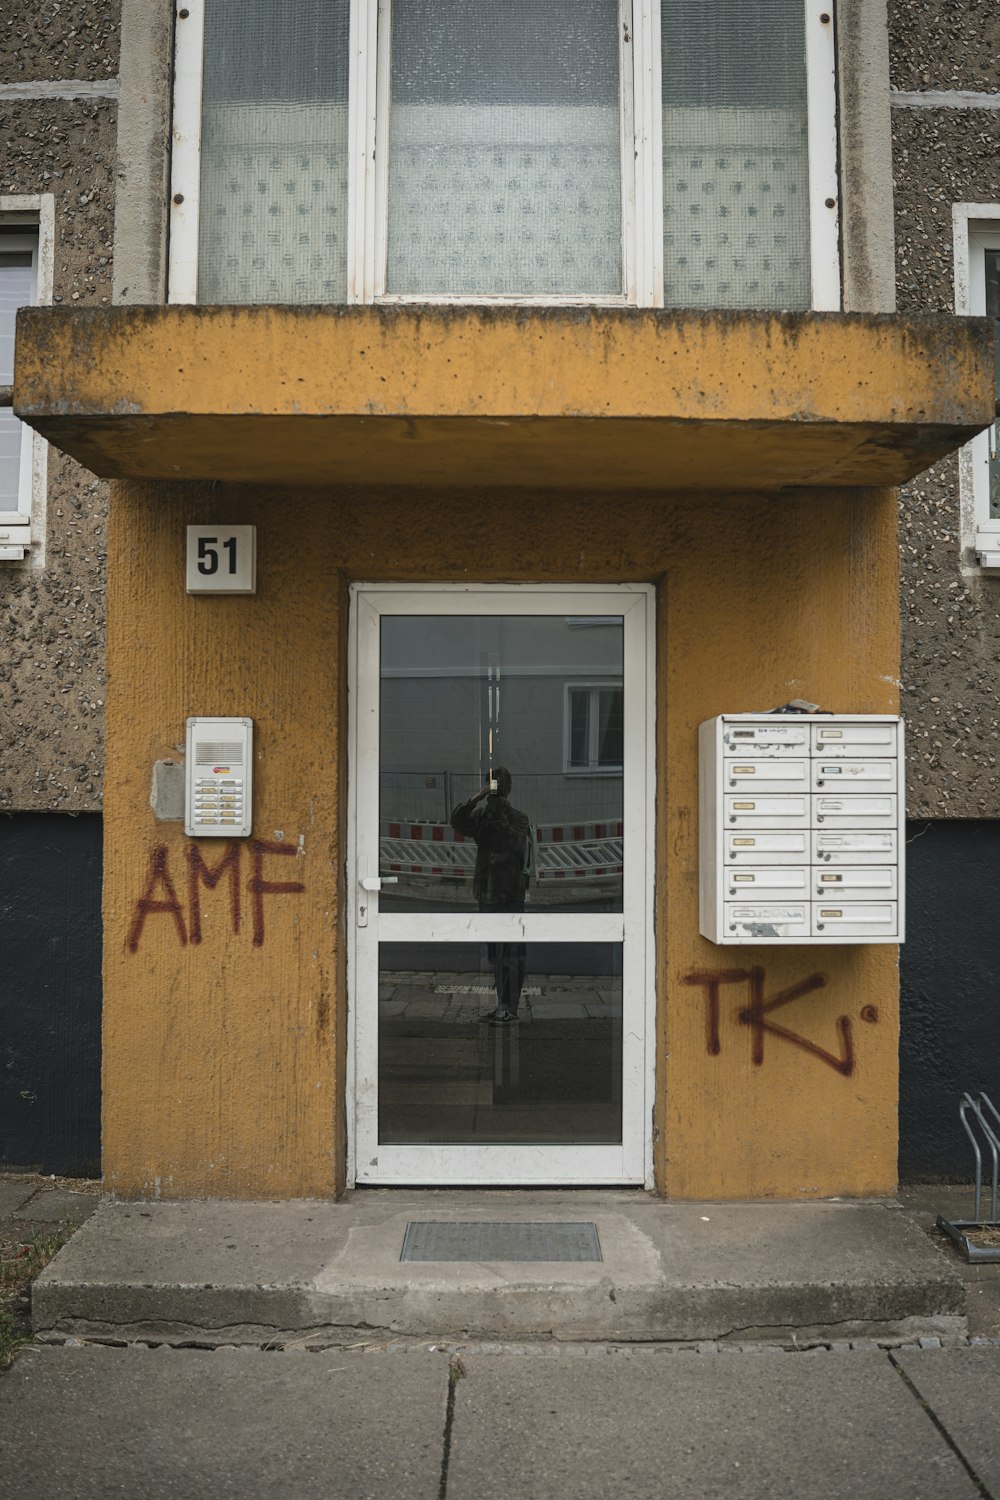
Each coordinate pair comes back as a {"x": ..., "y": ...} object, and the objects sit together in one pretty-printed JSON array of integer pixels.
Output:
[
  {"x": 595, "y": 726},
  {"x": 25, "y": 279},
  {"x": 977, "y": 293},
  {"x": 643, "y": 152}
]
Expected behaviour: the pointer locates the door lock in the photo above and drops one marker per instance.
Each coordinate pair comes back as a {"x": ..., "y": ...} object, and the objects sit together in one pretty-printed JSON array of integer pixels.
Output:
[{"x": 371, "y": 883}]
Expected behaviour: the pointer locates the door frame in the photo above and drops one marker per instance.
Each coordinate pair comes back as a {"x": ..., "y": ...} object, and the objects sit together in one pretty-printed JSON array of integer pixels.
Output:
[{"x": 645, "y": 716}]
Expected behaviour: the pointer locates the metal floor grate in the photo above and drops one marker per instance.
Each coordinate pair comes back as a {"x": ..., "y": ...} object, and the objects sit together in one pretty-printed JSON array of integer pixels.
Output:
[{"x": 435, "y": 1239}]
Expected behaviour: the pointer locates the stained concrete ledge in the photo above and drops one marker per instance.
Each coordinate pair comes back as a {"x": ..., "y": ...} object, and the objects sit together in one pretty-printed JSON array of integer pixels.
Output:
[
  {"x": 565, "y": 398},
  {"x": 226, "y": 1272}
]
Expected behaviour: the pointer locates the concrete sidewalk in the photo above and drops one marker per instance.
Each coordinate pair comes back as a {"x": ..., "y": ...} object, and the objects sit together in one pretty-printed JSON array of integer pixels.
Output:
[
  {"x": 318, "y": 1274},
  {"x": 554, "y": 1422}
]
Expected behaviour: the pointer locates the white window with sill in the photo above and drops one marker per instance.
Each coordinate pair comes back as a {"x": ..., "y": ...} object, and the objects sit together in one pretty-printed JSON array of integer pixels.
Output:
[
  {"x": 655, "y": 153},
  {"x": 594, "y": 720},
  {"x": 977, "y": 294},
  {"x": 25, "y": 279}
]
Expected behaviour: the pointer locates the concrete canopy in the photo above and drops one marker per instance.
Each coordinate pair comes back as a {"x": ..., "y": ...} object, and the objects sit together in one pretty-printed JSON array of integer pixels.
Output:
[{"x": 557, "y": 397}]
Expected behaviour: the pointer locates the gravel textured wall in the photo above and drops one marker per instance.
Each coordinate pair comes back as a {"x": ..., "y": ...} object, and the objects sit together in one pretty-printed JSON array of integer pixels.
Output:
[
  {"x": 943, "y": 44},
  {"x": 950, "y": 618},
  {"x": 52, "y": 618},
  {"x": 56, "y": 39}
]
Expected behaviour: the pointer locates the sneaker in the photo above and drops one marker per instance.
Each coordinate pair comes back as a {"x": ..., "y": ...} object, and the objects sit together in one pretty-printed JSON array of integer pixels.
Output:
[{"x": 500, "y": 1017}]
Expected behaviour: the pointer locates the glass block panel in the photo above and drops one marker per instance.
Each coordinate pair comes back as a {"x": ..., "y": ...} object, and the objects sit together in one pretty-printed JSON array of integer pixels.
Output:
[
  {"x": 735, "y": 155},
  {"x": 550, "y": 1075},
  {"x": 493, "y": 796},
  {"x": 15, "y": 291},
  {"x": 505, "y": 173},
  {"x": 993, "y": 311},
  {"x": 273, "y": 219}
]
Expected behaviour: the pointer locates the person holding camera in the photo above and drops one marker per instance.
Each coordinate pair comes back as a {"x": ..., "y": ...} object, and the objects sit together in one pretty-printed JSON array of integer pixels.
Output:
[{"x": 505, "y": 853}]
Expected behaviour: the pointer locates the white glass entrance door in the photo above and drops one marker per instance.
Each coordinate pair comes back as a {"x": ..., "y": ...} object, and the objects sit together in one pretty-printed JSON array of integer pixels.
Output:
[{"x": 501, "y": 864}]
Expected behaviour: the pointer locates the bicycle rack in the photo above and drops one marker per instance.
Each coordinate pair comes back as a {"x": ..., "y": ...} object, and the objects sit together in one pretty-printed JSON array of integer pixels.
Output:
[{"x": 958, "y": 1229}]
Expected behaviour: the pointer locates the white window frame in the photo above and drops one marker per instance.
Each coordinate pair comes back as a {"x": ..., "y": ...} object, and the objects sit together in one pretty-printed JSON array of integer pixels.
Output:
[
  {"x": 593, "y": 687},
  {"x": 976, "y": 228},
  {"x": 22, "y": 531},
  {"x": 642, "y": 147}
]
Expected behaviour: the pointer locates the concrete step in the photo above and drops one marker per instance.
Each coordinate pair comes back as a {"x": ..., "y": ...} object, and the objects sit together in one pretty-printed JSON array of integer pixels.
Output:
[{"x": 313, "y": 1272}]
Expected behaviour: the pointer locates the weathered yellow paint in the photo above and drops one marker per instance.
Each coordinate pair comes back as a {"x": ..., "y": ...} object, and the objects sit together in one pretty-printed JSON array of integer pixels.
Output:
[
  {"x": 224, "y": 1063},
  {"x": 566, "y": 398}
]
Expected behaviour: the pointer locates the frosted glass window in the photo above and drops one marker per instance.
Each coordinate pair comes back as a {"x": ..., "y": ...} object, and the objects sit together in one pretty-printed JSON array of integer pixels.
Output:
[
  {"x": 16, "y": 290},
  {"x": 505, "y": 173},
  {"x": 273, "y": 216},
  {"x": 735, "y": 163}
]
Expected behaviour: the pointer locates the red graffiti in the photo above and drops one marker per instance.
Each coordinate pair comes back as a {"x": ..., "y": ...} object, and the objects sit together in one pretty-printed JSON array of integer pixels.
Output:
[
  {"x": 199, "y": 872},
  {"x": 147, "y": 904},
  {"x": 160, "y": 894},
  {"x": 259, "y": 887},
  {"x": 712, "y": 982},
  {"x": 755, "y": 1015}
]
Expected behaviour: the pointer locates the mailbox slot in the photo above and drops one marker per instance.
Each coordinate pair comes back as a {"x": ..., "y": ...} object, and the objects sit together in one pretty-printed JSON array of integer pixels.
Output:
[
  {"x": 768, "y": 883},
  {"x": 848, "y": 883},
  {"x": 854, "y": 740},
  {"x": 766, "y": 812},
  {"x": 854, "y": 813},
  {"x": 767, "y": 920},
  {"x": 753, "y": 774},
  {"x": 867, "y": 921},
  {"x": 776, "y": 738},
  {"x": 864, "y": 846},
  {"x": 788, "y": 847},
  {"x": 850, "y": 776}
]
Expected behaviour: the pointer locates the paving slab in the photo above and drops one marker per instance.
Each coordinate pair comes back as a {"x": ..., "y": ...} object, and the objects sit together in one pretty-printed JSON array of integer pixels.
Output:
[
  {"x": 12, "y": 1196},
  {"x": 171, "y": 1425},
  {"x": 671, "y": 1271},
  {"x": 57, "y": 1206},
  {"x": 693, "y": 1425},
  {"x": 962, "y": 1388}
]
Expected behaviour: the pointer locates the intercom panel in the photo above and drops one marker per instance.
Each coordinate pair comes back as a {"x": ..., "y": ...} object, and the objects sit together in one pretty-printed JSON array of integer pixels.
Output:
[{"x": 219, "y": 784}]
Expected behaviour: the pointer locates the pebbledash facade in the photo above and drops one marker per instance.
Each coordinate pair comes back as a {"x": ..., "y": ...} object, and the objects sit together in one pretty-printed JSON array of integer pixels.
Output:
[{"x": 502, "y": 415}]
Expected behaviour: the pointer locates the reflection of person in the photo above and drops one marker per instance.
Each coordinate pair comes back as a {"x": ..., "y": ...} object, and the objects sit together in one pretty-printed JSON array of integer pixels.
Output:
[{"x": 504, "y": 860}]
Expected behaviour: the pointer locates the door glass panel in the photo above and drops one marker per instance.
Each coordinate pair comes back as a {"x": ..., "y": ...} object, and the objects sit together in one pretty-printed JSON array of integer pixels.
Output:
[
  {"x": 530, "y": 704},
  {"x": 549, "y": 1076}
]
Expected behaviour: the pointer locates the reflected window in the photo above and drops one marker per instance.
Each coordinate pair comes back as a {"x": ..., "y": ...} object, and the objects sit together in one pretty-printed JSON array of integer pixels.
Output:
[{"x": 596, "y": 728}]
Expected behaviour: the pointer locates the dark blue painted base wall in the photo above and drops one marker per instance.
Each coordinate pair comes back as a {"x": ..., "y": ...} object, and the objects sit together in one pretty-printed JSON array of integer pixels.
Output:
[
  {"x": 950, "y": 992},
  {"x": 50, "y": 993}
]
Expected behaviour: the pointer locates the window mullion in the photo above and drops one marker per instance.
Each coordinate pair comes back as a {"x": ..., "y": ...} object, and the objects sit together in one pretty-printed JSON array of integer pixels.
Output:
[
  {"x": 379, "y": 155},
  {"x": 647, "y": 109},
  {"x": 185, "y": 160},
  {"x": 824, "y": 191},
  {"x": 362, "y": 161}
]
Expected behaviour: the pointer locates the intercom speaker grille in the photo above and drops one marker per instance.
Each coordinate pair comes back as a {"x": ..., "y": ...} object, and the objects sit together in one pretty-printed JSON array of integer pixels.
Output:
[{"x": 218, "y": 750}]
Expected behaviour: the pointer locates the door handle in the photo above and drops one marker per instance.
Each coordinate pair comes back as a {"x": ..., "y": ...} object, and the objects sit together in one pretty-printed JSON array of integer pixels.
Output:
[{"x": 376, "y": 882}]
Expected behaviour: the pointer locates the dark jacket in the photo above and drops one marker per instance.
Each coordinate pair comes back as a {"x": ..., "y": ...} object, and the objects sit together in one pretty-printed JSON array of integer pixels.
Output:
[{"x": 504, "y": 851}]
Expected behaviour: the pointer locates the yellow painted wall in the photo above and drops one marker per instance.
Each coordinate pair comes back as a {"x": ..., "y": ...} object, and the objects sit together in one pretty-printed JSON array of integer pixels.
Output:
[{"x": 224, "y": 1058}]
